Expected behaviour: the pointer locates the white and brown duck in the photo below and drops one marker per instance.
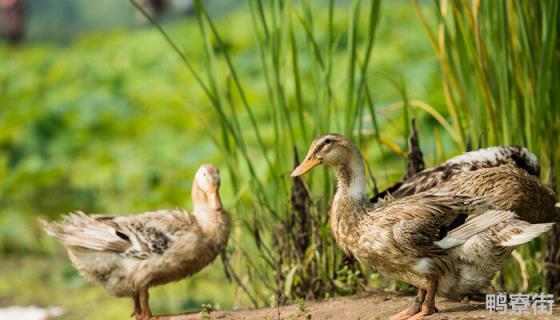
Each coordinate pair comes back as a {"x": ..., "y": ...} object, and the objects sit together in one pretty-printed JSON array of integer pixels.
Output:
[
  {"x": 129, "y": 254},
  {"x": 508, "y": 187},
  {"x": 432, "y": 240},
  {"x": 507, "y": 175},
  {"x": 471, "y": 161}
]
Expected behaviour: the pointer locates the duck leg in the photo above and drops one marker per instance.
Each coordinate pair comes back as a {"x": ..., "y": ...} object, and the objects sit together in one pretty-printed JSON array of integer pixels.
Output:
[
  {"x": 145, "y": 301},
  {"x": 429, "y": 306},
  {"x": 137, "y": 312},
  {"x": 413, "y": 309}
]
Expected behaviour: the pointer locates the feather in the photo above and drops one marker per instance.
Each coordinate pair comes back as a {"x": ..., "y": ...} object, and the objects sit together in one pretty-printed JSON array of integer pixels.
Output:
[
  {"x": 476, "y": 225},
  {"x": 495, "y": 156},
  {"x": 80, "y": 230},
  {"x": 491, "y": 157},
  {"x": 527, "y": 234}
]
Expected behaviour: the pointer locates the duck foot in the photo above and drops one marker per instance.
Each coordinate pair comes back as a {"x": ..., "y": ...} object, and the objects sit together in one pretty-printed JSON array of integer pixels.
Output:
[
  {"x": 429, "y": 306},
  {"x": 413, "y": 309},
  {"x": 145, "y": 316},
  {"x": 425, "y": 311},
  {"x": 403, "y": 315}
]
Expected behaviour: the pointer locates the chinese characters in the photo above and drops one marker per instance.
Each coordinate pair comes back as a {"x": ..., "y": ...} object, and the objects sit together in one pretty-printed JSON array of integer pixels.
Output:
[{"x": 519, "y": 303}]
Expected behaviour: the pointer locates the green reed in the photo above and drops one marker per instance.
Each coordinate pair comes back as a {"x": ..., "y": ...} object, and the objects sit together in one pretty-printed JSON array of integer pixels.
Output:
[
  {"x": 496, "y": 59},
  {"x": 291, "y": 253},
  {"x": 499, "y": 64}
]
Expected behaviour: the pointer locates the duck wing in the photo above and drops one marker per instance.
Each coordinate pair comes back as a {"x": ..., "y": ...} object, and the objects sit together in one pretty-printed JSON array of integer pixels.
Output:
[
  {"x": 138, "y": 236},
  {"x": 428, "y": 224}
]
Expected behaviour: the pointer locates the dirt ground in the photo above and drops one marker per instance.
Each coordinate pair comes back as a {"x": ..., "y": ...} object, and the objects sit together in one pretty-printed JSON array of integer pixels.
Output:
[{"x": 369, "y": 306}]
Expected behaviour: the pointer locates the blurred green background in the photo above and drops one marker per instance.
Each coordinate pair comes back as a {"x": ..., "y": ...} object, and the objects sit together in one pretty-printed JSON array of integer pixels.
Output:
[{"x": 98, "y": 114}]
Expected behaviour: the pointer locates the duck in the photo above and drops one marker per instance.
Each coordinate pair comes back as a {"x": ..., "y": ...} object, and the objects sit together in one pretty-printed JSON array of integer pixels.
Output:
[
  {"x": 514, "y": 156},
  {"x": 127, "y": 255},
  {"x": 506, "y": 175},
  {"x": 508, "y": 187},
  {"x": 434, "y": 240}
]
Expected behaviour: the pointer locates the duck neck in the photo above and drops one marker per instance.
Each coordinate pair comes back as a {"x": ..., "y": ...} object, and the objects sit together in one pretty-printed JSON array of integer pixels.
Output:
[
  {"x": 351, "y": 177},
  {"x": 350, "y": 202},
  {"x": 211, "y": 216}
]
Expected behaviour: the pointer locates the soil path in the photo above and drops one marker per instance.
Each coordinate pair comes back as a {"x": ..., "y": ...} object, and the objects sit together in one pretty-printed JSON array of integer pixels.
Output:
[{"x": 364, "y": 307}]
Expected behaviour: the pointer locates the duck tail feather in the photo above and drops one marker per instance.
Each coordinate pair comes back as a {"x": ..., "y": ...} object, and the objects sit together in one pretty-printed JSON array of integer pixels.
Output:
[
  {"x": 529, "y": 233},
  {"x": 52, "y": 229},
  {"x": 81, "y": 230}
]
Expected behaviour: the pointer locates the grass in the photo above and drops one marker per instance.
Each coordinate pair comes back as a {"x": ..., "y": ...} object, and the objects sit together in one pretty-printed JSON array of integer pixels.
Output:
[
  {"x": 299, "y": 250},
  {"x": 496, "y": 68},
  {"x": 481, "y": 48},
  {"x": 279, "y": 51},
  {"x": 488, "y": 78},
  {"x": 496, "y": 61}
]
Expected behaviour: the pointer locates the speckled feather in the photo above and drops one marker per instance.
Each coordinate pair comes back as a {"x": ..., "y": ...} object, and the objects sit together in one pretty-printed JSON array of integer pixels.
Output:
[
  {"x": 468, "y": 162},
  {"x": 508, "y": 188},
  {"x": 399, "y": 238}
]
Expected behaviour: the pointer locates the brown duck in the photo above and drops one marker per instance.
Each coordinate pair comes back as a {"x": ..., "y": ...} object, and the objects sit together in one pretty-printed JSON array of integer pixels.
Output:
[
  {"x": 508, "y": 188},
  {"x": 471, "y": 161},
  {"x": 507, "y": 176},
  {"x": 440, "y": 242},
  {"x": 129, "y": 254}
]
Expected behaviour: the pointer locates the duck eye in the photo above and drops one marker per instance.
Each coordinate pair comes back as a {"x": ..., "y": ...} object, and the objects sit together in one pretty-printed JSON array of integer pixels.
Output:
[{"x": 328, "y": 141}]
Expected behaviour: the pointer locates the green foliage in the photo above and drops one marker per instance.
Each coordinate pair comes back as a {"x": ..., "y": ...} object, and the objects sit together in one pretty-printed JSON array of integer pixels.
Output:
[
  {"x": 109, "y": 124},
  {"x": 497, "y": 59},
  {"x": 93, "y": 127},
  {"x": 489, "y": 39},
  {"x": 291, "y": 62},
  {"x": 499, "y": 63},
  {"x": 106, "y": 125}
]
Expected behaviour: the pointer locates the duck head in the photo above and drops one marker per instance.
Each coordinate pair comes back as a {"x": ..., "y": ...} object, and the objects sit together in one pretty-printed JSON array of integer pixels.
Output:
[
  {"x": 330, "y": 149},
  {"x": 206, "y": 186},
  {"x": 339, "y": 153}
]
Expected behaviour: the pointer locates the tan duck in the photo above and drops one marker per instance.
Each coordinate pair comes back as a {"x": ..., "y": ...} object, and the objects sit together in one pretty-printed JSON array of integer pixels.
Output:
[
  {"x": 507, "y": 176},
  {"x": 432, "y": 240},
  {"x": 508, "y": 188},
  {"x": 129, "y": 254},
  {"x": 484, "y": 158}
]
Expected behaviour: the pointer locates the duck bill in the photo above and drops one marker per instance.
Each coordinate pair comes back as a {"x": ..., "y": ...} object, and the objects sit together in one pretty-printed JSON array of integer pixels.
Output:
[{"x": 307, "y": 164}]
